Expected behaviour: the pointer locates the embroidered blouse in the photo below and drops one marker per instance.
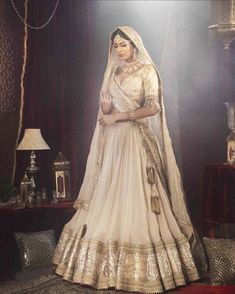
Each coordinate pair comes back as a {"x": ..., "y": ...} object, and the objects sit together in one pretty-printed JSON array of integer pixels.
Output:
[{"x": 142, "y": 85}]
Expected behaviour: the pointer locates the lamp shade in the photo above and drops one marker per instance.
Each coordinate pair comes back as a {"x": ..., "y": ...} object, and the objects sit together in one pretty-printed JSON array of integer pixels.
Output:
[{"x": 33, "y": 140}]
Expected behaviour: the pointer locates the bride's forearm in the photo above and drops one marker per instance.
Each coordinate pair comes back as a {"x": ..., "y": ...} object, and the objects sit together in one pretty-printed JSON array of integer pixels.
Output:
[
  {"x": 106, "y": 110},
  {"x": 138, "y": 113}
]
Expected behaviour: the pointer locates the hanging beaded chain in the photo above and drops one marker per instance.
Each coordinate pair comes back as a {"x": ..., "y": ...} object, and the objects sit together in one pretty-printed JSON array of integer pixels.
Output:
[{"x": 35, "y": 27}]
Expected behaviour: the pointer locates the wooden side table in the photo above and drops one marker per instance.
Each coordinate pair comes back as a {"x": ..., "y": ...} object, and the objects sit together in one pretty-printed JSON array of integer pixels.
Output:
[
  {"x": 39, "y": 218},
  {"x": 218, "y": 197}
]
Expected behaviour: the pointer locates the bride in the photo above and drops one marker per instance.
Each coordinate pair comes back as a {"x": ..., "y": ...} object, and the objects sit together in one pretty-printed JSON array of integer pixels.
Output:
[{"x": 131, "y": 230}]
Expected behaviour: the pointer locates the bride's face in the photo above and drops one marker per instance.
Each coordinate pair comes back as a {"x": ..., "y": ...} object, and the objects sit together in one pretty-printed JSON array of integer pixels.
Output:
[{"x": 123, "y": 48}]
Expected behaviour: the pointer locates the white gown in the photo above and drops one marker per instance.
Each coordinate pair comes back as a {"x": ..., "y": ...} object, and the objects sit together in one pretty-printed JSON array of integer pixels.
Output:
[{"x": 117, "y": 240}]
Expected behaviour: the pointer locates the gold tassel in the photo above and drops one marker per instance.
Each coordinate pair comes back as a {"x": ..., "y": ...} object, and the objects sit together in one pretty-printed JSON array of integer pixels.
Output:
[
  {"x": 84, "y": 229},
  {"x": 150, "y": 175},
  {"x": 155, "y": 203},
  {"x": 155, "y": 206}
]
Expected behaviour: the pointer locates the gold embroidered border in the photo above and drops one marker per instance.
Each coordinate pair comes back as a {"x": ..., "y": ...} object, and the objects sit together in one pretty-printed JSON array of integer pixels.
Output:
[
  {"x": 152, "y": 101},
  {"x": 152, "y": 150},
  {"x": 149, "y": 268}
]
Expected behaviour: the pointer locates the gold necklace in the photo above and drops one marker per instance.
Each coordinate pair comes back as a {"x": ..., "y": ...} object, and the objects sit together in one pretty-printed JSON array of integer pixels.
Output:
[{"x": 130, "y": 67}]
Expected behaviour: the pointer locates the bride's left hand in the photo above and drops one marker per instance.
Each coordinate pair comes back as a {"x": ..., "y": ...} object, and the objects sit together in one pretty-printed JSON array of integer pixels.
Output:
[{"x": 107, "y": 119}]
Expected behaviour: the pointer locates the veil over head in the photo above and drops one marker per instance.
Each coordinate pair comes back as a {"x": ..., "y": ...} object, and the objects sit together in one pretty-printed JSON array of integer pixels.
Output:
[{"x": 160, "y": 132}]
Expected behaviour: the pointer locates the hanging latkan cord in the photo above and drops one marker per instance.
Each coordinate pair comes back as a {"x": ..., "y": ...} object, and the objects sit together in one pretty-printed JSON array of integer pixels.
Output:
[
  {"x": 25, "y": 41},
  {"x": 35, "y": 27}
]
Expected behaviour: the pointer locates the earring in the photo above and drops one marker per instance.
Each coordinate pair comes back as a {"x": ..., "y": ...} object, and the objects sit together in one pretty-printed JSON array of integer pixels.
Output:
[{"x": 135, "y": 53}]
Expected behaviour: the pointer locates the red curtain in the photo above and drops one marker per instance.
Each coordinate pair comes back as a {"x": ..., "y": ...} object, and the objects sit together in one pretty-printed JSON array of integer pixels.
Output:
[
  {"x": 65, "y": 66},
  {"x": 11, "y": 40},
  {"x": 59, "y": 87}
]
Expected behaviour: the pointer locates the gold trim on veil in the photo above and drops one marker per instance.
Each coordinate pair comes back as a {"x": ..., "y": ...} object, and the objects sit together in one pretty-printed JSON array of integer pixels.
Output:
[{"x": 160, "y": 135}]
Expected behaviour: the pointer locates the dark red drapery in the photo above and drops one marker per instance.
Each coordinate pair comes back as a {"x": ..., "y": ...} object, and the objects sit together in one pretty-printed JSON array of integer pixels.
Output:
[
  {"x": 65, "y": 67},
  {"x": 59, "y": 88}
]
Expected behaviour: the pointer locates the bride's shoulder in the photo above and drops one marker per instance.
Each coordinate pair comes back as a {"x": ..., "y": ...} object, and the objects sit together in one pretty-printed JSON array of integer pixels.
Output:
[
  {"x": 149, "y": 67},
  {"x": 149, "y": 70}
]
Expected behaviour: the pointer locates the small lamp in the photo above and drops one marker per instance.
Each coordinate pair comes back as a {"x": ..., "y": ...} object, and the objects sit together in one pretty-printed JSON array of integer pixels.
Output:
[{"x": 32, "y": 140}]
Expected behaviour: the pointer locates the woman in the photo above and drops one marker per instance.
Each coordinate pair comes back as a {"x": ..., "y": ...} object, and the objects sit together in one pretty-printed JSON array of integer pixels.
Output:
[{"x": 132, "y": 229}]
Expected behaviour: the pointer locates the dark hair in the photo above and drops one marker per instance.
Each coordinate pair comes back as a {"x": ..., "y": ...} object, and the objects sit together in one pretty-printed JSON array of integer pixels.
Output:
[{"x": 122, "y": 34}]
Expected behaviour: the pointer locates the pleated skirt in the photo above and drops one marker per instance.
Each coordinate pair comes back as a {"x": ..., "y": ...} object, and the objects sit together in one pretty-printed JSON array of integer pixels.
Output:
[{"x": 118, "y": 241}]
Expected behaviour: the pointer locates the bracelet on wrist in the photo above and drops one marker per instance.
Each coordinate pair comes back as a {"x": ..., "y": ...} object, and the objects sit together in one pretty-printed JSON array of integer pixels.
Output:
[{"x": 131, "y": 115}]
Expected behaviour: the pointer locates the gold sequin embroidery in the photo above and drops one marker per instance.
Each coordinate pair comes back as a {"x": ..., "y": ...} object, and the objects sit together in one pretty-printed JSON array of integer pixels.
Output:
[{"x": 150, "y": 268}]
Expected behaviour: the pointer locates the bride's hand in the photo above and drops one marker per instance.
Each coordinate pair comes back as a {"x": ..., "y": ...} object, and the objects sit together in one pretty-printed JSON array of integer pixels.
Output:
[
  {"x": 105, "y": 102},
  {"x": 107, "y": 119}
]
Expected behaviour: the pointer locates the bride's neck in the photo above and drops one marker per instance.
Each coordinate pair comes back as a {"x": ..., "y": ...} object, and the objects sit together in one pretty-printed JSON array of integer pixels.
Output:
[{"x": 130, "y": 61}]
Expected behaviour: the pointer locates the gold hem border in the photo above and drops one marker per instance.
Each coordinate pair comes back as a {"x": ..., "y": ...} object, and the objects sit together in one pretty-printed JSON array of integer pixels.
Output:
[
  {"x": 147, "y": 268},
  {"x": 123, "y": 286}
]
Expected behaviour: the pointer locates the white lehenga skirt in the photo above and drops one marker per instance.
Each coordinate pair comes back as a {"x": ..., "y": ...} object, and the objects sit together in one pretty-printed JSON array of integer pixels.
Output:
[{"x": 124, "y": 244}]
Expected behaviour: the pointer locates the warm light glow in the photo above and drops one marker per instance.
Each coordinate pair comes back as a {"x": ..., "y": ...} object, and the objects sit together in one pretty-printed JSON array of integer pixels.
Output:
[{"x": 33, "y": 140}]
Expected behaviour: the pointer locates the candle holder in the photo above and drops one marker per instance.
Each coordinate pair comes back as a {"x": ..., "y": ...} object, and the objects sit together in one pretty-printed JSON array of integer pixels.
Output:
[{"x": 230, "y": 106}]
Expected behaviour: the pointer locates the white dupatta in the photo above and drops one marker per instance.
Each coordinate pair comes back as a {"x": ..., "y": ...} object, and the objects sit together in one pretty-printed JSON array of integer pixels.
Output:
[{"x": 158, "y": 127}]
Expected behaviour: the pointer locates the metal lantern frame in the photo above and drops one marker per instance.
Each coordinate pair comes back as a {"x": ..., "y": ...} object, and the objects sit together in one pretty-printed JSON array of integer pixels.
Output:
[{"x": 61, "y": 173}]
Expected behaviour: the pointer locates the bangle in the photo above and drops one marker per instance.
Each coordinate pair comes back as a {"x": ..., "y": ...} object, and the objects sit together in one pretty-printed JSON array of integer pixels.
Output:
[{"x": 131, "y": 115}]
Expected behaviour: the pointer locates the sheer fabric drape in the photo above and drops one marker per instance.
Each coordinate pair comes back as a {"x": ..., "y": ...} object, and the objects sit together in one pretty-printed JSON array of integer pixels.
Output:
[{"x": 116, "y": 239}]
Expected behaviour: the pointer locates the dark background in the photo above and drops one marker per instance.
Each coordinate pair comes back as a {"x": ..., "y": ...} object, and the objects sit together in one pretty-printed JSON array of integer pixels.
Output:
[{"x": 66, "y": 62}]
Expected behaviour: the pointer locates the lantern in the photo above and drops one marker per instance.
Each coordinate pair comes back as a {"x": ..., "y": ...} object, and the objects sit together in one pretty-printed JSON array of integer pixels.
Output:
[
  {"x": 224, "y": 14},
  {"x": 231, "y": 138},
  {"x": 61, "y": 171},
  {"x": 25, "y": 186}
]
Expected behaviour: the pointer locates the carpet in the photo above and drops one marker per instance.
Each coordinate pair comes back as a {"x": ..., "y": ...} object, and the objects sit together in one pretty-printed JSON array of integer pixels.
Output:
[
  {"x": 53, "y": 284},
  {"x": 205, "y": 289},
  {"x": 50, "y": 284}
]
